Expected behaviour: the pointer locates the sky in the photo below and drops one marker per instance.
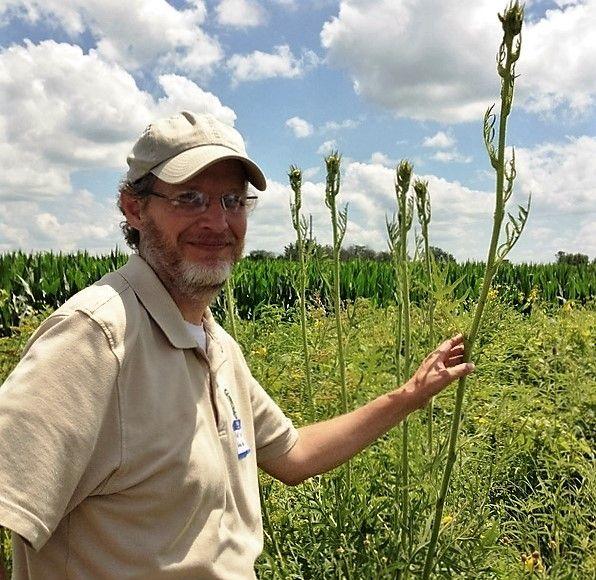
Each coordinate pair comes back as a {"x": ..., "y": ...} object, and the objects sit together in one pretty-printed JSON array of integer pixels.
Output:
[{"x": 377, "y": 80}]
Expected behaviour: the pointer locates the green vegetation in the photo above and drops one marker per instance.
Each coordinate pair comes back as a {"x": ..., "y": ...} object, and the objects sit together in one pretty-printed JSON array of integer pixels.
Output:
[{"x": 526, "y": 480}]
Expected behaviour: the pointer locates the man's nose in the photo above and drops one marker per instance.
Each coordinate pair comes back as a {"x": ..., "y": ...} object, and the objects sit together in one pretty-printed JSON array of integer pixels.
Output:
[{"x": 214, "y": 217}]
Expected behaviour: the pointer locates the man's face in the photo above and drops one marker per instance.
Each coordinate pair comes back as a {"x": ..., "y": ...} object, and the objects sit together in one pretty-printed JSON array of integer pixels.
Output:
[{"x": 192, "y": 251}]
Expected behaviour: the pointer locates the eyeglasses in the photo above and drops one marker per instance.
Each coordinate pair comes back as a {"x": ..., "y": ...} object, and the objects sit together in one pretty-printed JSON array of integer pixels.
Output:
[{"x": 197, "y": 202}]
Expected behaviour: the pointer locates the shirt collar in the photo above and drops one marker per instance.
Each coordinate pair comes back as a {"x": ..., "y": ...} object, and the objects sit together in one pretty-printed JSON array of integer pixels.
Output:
[{"x": 157, "y": 301}]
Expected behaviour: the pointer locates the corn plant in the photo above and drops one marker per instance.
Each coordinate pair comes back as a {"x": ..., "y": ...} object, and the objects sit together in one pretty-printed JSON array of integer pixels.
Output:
[
  {"x": 301, "y": 227},
  {"x": 508, "y": 55},
  {"x": 424, "y": 215},
  {"x": 339, "y": 220}
]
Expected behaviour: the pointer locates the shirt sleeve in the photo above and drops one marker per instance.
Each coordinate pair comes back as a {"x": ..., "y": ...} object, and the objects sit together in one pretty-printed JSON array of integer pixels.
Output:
[
  {"x": 274, "y": 432},
  {"x": 51, "y": 409}
]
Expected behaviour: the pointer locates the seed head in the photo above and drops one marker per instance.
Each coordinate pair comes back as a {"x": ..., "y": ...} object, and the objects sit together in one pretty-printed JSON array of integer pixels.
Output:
[
  {"x": 512, "y": 19},
  {"x": 332, "y": 162},
  {"x": 295, "y": 175},
  {"x": 404, "y": 174}
]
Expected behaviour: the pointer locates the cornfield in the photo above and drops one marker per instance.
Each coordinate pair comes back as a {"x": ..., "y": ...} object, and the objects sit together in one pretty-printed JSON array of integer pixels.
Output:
[{"x": 36, "y": 282}]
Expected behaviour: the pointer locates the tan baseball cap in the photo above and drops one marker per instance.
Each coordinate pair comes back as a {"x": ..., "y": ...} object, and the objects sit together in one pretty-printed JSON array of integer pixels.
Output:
[{"x": 177, "y": 148}]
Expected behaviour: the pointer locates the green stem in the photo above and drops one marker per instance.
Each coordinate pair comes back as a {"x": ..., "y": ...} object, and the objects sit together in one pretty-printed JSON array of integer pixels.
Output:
[
  {"x": 231, "y": 309},
  {"x": 506, "y": 96},
  {"x": 338, "y": 326},
  {"x": 301, "y": 257},
  {"x": 431, "y": 333},
  {"x": 405, "y": 299}
]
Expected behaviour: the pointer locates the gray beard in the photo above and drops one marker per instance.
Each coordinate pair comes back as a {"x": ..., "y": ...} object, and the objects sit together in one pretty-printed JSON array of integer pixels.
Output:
[{"x": 186, "y": 278}]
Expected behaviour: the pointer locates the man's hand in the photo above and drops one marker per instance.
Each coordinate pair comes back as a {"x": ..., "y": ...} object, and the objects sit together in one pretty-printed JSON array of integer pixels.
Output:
[{"x": 440, "y": 368}]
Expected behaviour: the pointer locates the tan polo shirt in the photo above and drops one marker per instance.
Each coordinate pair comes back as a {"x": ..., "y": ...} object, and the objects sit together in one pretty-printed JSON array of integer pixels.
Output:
[{"x": 126, "y": 450}]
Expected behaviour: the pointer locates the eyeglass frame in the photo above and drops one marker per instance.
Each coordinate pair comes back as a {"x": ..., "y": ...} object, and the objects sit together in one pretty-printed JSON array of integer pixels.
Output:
[{"x": 177, "y": 202}]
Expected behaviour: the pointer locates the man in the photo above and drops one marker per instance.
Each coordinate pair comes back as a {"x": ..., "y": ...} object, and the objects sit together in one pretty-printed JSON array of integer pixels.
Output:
[{"x": 132, "y": 428}]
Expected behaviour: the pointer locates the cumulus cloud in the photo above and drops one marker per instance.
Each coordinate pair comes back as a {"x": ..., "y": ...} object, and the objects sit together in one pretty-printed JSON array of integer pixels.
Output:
[
  {"x": 378, "y": 158},
  {"x": 263, "y": 65},
  {"x": 557, "y": 55},
  {"x": 75, "y": 220},
  {"x": 327, "y": 147},
  {"x": 451, "y": 156},
  {"x": 63, "y": 110},
  {"x": 435, "y": 61},
  {"x": 560, "y": 176},
  {"x": 440, "y": 140},
  {"x": 446, "y": 144},
  {"x": 134, "y": 34},
  {"x": 240, "y": 13},
  {"x": 300, "y": 127}
]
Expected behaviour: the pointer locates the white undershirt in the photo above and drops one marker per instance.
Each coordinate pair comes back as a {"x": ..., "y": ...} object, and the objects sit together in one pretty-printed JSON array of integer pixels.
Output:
[{"x": 198, "y": 333}]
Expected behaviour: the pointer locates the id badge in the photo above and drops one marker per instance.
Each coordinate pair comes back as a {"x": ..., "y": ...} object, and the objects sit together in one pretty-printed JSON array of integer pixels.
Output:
[{"x": 243, "y": 448}]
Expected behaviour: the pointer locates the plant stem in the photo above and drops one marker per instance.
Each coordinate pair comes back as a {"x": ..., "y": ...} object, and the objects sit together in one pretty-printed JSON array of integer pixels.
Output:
[
  {"x": 295, "y": 175},
  {"x": 338, "y": 223},
  {"x": 231, "y": 308},
  {"x": 405, "y": 209},
  {"x": 512, "y": 19}
]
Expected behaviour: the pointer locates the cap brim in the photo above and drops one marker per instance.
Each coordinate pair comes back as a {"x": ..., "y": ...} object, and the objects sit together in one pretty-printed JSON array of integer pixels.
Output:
[{"x": 187, "y": 164}]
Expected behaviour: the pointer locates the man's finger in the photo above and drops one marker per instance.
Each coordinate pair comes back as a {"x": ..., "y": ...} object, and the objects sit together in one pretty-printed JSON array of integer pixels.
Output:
[
  {"x": 460, "y": 370},
  {"x": 454, "y": 360},
  {"x": 445, "y": 347}
]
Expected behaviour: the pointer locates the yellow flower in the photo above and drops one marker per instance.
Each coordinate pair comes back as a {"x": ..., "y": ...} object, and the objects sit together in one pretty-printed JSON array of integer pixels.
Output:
[
  {"x": 446, "y": 520},
  {"x": 533, "y": 562}
]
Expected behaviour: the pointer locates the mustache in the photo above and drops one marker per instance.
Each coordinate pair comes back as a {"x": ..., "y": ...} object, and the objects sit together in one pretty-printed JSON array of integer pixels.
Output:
[{"x": 210, "y": 239}]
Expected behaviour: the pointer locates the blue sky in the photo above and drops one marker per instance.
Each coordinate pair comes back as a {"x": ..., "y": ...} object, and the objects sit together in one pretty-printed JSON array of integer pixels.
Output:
[{"x": 380, "y": 80}]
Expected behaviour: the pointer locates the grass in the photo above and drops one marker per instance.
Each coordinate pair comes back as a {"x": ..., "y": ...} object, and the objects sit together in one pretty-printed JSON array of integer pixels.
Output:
[{"x": 524, "y": 480}]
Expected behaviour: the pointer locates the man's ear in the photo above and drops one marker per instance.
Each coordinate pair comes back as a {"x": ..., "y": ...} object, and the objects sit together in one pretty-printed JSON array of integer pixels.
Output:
[{"x": 131, "y": 206}]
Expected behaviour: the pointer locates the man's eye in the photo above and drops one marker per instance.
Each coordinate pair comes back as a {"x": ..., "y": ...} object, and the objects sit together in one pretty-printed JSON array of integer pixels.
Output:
[
  {"x": 233, "y": 201},
  {"x": 193, "y": 197}
]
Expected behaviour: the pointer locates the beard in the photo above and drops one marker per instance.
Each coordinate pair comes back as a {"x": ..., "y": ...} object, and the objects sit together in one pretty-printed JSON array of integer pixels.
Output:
[{"x": 185, "y": 277}]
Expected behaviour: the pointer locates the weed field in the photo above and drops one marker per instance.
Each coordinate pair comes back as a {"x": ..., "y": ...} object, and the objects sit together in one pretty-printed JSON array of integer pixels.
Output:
[{"x": 525, "y": 478}]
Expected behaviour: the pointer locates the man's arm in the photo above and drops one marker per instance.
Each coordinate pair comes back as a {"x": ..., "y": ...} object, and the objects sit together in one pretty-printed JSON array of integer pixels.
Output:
[{"x": 326, "y": 445}]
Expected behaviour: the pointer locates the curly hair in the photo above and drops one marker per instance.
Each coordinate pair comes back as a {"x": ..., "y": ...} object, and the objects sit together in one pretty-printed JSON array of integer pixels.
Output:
[{"x": 141, "y": 188}]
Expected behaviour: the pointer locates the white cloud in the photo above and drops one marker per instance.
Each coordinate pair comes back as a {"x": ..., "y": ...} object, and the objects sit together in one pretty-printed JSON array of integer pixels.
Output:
[
  {"x": 67, "y": 223},
  {"x": 310, "y": 172},
  {"x": 327, "y": 147},
  {"x": 263, "y": 65},
  {"x": 451, "y": 156},
  {"x": 240, "y": 13},
  {"x": 436, "y": 60},
  {"x": 439, "y": 140},
  {"x": 63, "y": 110},
  {"x": 448, "y": 151},
  {"x": 182, "y": 93},
  {"x": 300, "y": 127},
  {"x": 560, "y": 176},
  {"x": 558, "y": 53},
  {"x": 338, "y": 126},
  {"x": 378, "y": 158},
  {"x": 134, "y": 34}
]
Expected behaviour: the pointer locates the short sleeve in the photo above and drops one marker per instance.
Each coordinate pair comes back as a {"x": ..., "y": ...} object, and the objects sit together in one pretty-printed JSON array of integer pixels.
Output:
[
  {"x": 51, "y": 410},
  {"x": 274, "y": 432}
]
